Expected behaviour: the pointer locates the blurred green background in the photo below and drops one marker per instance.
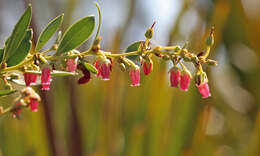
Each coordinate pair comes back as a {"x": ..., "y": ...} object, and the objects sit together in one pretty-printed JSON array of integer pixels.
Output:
[{"x": 113, "y": 119}]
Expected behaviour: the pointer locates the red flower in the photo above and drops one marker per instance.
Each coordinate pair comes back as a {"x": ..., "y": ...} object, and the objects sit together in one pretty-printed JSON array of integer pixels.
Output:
[
  {"x": 46, "y": 78},
  {"x": 104, "y": 68},
  {"x": 84, "y": 79},
  {"x": 175, "y": 76},
  {"x": 204, "y": 90},
  {"x": 71, "y": 65},
  {"x": 17, "y": 110},
  {"x": 30, "y": 78},
  {"x": 34, "y": 104},
  {"x": 97, "y": 66},
  {"x": 135, "y": 77},
  {"x": 185, "y": 81},
  {"x": 147, "y": 67}
]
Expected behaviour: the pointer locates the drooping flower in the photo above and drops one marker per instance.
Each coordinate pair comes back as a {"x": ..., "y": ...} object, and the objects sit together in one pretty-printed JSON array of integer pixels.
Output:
[
  {"x": 134, "y": 74},
  {"x": 185, "y": 81},
  {"x": 204, "y": 89},
  {"x": 147, "y": 67},
  {"x": 97, "y": 64},
  {"x": 16, "y": 111},
  {"x": 30, "y": 98},
  {"x": 104, "y": 68},
  {"x": 71, "y": 65},
  {"x": 86, "y": 75},
  {"x": 175, "y": 76},
  {"x": 46, "y": 78},
  {"x": 34, "y": 104},
  {"x": 30, "y": 78}
]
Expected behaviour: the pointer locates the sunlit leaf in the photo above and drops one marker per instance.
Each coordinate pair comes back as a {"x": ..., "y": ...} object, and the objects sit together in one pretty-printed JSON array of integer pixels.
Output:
[
  {"x": 90, "y": 67},
  {"x": 18, "y": 34},
  {"x": 7, "y": 92},
  {"x": 133, "y": 47},
  {"x": 53, "y": 73},
  {"x": 61, "y": 73},
  {"x": 77, "y": 34},
  {"x": 22, "y": 51},
  {"x": 48, "y": 32}
]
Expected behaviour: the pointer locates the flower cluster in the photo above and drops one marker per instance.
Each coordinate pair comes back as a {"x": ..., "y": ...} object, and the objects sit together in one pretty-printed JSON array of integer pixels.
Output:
[
  {"x": 66, "y": 60},
  {"x": 28, "y": 98}
]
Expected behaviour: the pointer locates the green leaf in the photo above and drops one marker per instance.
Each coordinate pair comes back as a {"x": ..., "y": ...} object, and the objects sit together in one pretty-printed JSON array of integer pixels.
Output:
[
  {"x": 78, "y": 33},
  {"x": 61, "y": 73},
  {"x": 1, "y": 54},
  {"x": 7, "y": 92},
  {"x": 90, "y": 67},
  {"x": 22, "y": 51},
  {"x": 133, "y": 47},
  {"x": 53, "y": 73},
  {"x": 18, "y": 34},
  {"x": 48, "y": 32},
  {"x": 33, "y": 72}
]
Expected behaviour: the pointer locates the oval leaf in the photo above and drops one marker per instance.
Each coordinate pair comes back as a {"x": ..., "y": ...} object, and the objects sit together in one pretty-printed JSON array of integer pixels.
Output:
[
  {"x": 1, "y": 54},
  {"x": 61, "y": 73},
  {"x": 7, "y": 92},
  {"x": 18, "y": 34},
  {"x": 22, "y": 51},
  {"x": 48, "y": 32},
  {"x": 78, "y": 33},
  {"x": 90, "y": 67},
  {"x": 53, "y": 73},
  {"x": 133, "y": 47}
]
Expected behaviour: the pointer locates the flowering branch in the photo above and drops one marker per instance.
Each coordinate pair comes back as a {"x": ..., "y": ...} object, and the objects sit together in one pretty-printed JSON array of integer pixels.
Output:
[{"x": 62, "y": 59}]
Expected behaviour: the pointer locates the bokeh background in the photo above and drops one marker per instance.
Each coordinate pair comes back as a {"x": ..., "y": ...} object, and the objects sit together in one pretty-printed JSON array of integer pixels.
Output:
[{"x": 113, "y": 119}]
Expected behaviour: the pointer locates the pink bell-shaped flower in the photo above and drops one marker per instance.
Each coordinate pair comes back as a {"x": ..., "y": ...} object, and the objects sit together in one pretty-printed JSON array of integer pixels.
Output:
[
  {"x": 71, "y": 65},
  {"x": 175, "y": 76},
  {"x": 204, "y": 90},
  {"x": 104, "y": 68},
  {"x": 134, "y": 74},
  {"x": 30, "y": 78},
  {"x": 185, "y": 81},
  {"x": 46, "y": 78},
  {"x": 34, "y": 104},
  {"x": 86, "y": 75},
  {"x": 147, "y": 67}
]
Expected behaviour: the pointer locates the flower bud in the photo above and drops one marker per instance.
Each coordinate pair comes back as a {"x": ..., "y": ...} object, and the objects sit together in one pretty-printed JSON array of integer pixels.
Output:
[
  {"x": 149, "y": 33},
  {"x": 122, "y": 67},
  {"x": 210, "y": 39},
  {"x": 147, "y": 66},
  {"x": 212, "y": 62}
]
